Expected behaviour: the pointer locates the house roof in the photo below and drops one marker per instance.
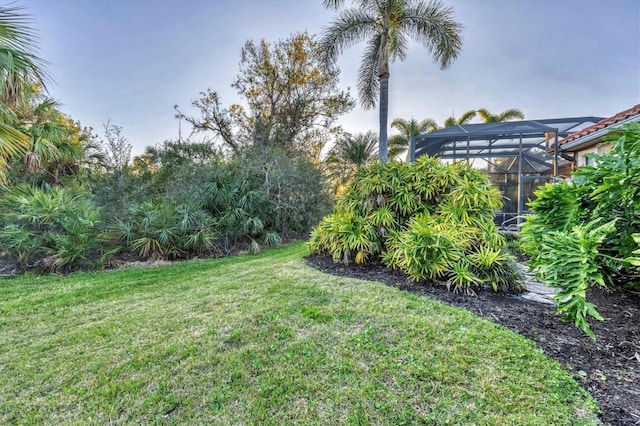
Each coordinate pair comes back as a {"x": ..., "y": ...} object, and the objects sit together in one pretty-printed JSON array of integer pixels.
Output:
[{"x": 593, "y": 132}]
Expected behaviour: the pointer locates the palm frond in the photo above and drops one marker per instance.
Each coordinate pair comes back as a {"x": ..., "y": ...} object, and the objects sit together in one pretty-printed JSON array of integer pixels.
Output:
[
  {"x": 12, "y": 141},
  {"x": 505, "y": 115},
  {"x": 18, "y": 46},
  {"x": 368, "y": 82},
  {"x": 511, "y": 114},
  {"x": 467, "y": 117},
  {"x": 332, "y": 4},
  {"x": 485, "y": 115},
  {"x": 350, "y": 27},
  {"x": 433, "y": 25}
]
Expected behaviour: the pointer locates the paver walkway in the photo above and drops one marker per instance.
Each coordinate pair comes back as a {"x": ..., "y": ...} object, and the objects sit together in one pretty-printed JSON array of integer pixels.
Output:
[{"x": 536, "y": 291}]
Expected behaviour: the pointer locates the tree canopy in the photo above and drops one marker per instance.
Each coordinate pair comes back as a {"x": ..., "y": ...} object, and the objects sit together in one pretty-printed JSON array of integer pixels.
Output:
[{"x": 291, "y": 99}]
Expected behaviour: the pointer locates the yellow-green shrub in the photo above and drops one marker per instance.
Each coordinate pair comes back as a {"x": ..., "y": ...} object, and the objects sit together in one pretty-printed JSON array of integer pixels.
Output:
[{"x": 430, "y": 220}]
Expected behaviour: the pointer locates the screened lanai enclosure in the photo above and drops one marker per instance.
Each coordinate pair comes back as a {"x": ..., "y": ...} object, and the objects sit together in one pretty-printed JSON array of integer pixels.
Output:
[{"x": 519, "y": 156}]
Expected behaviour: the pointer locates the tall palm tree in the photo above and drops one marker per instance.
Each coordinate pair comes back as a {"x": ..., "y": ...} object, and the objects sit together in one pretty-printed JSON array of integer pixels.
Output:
[
  {"x": 464, "y": 119},
  {"x": 506, "y": 115},
  {"x": 386, "y": 26},
  {"x": 19, "y": 66},
  {"x": 408, "y": 128},
  {"x": 347, "y": 155}
]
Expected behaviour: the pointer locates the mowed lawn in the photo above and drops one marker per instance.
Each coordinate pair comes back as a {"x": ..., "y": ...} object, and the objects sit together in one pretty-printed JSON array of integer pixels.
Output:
[{"x": 263, "y": 340}]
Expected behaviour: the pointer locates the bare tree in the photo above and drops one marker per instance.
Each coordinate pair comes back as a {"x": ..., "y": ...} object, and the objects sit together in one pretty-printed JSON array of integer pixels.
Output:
[{"x": 116, "y": 148}]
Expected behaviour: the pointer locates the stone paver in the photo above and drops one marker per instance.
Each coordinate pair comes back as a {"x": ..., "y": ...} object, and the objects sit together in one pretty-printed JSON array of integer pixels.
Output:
[{"x": 536, "y": 291}]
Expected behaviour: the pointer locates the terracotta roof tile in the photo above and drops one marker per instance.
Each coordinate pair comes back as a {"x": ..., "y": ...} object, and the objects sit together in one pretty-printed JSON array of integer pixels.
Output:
[{"x": 621, "y": 116}]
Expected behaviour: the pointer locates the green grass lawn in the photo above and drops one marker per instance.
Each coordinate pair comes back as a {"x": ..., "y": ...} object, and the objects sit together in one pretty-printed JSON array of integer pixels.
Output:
[{"x": 263, "y": 340}]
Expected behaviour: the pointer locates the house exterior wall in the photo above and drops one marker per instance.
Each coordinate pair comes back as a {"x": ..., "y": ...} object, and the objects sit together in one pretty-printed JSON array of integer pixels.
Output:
[{"x": 581, "y": 158}]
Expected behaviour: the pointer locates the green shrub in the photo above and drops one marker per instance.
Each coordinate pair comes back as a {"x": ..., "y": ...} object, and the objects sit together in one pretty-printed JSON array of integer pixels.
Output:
[
  {"x": 569, "y": 260},
  {"x": 496, "y": 267},
  {"x": 164, "y": 230},
  {"x": 58, "y": 228},
  {"x": 347, "y": 237},
  {"x": 259, "y": 196},
  {"x": 588, "y": 225},
  {"x": 426, "y": 219},
  {"x": 428, "y": 249},
  {"x": 556, "y": 208}
]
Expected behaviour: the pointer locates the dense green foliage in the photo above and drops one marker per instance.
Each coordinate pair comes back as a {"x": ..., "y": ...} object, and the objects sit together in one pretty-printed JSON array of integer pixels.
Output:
[
  {"x": 20, "y": 69},
  {"x": 57, "y": 228},
  {"x": 193, "y": 206},
  {"x": 431, "y": 220},
  {"x": 161, "y": 229},
  {"x": 71, "y": 199},
  {"x": 264, "y": 340},
  {"x": 581, "y": 233},
  {"x": 186, "y": 199}
]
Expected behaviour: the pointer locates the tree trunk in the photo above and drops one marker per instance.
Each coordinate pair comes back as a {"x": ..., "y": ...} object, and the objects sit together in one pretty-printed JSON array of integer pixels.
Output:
[{"x": 384, "y": 113}]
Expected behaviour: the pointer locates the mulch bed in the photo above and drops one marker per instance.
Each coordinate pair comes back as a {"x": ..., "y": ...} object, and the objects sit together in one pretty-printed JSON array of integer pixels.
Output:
[{"x": 608, "y": 368}]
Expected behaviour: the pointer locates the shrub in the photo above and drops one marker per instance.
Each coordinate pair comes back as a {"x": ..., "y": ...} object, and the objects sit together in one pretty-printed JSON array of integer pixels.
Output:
[
  {"x": 569, "y": 260},
  {"x": 56, "y": 228},
  {"x": 346, "y": 236},
  {"x": 258, "y": 197},
  {"x": 428, "y": 249},
  {"x": 427, "y": 219},
  {"x": 164, "y": 230},
  {"x": 588, "y": 225}
]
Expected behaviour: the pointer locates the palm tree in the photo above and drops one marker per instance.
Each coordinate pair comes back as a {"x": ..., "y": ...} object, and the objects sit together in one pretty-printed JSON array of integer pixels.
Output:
[
  {"x": 51, "y": 139},
  {"x": 19, "y": 66},
  {"x": 464, "y": 119},
  {"x": 506, "y": 115},
  {"x": 387, "y": 26},
  {"x": 347, "y": 155},
  {"x": 399, "y": 143}
]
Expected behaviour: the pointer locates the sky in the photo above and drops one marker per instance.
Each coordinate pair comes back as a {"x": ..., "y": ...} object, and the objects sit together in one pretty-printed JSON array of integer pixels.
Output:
[{"x": 131, "y": 61}]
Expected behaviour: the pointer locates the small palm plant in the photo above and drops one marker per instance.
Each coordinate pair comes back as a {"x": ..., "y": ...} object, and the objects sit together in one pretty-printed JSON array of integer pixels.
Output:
[
  {"x": 164, "y": 230},
  {"x": 55, "y": 228}
]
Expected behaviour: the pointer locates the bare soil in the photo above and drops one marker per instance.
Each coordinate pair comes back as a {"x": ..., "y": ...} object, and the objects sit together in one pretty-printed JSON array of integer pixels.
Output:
[{"x": 608, "y": 368}]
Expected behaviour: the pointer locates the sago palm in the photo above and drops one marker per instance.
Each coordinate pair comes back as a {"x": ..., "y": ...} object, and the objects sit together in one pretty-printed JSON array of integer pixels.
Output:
[{"x": 386, "y": 27}]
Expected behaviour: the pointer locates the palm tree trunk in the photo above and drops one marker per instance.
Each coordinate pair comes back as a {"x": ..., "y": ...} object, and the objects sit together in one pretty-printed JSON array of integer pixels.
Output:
[{"x": 384, "y": 113}]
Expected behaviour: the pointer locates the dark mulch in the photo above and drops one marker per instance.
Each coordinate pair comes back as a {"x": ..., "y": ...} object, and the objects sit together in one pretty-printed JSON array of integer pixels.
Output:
[{"x": 608, "y": 368}]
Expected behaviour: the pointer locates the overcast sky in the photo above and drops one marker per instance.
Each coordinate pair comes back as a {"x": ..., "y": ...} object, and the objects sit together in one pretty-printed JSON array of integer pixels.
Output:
[{"x": 130, "y": 61}]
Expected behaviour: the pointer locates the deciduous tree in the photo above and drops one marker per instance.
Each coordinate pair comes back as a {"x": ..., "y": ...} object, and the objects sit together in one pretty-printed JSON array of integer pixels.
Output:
[{"x": 291, "y": 99}]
